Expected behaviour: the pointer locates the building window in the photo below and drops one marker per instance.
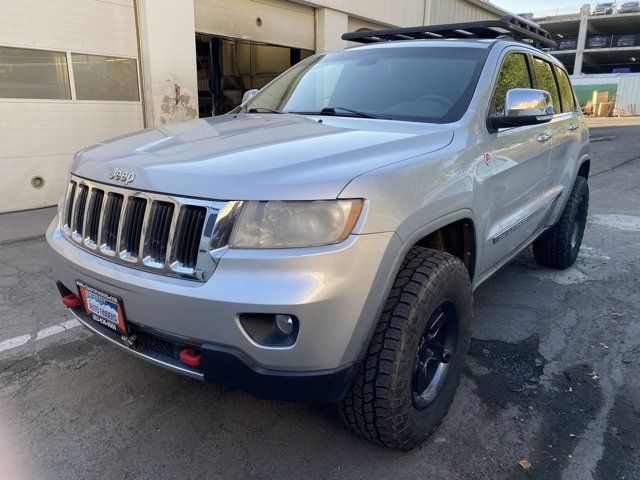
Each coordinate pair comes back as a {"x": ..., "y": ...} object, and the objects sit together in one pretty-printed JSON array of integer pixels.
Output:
[
  {"x": 27, "y": 73},
  {"x": 105, "y": 78}
]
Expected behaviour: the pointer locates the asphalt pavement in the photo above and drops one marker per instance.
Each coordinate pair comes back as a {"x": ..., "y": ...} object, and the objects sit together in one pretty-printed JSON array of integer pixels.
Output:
[{"x": 551, "y": 389}]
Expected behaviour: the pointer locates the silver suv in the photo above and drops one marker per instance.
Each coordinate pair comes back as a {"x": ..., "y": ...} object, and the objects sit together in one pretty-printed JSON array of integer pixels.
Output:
[{"x": 322, "y": 241}]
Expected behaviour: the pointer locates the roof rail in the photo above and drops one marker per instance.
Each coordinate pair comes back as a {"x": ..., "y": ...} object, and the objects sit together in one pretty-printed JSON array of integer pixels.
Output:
[{"x": 510, "y": 25}]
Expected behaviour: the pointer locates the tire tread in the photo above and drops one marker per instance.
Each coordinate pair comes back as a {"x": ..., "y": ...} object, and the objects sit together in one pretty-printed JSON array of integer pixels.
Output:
[
  {"x": 553, "y": 248},
  {"x": 374, "y": 406}
]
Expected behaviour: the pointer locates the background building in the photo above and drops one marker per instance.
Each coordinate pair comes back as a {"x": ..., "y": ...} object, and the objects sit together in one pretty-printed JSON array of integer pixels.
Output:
[
  {"x": 602, "y": 51},
  {"x": 589, "y": 43},
  {"x": 76, "y": 72}
]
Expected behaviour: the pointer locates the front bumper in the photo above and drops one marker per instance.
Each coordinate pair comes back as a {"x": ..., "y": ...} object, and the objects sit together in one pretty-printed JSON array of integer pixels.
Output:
[
  {"x": 336, "y": 292},
  {"x": 227, "y": 367}
]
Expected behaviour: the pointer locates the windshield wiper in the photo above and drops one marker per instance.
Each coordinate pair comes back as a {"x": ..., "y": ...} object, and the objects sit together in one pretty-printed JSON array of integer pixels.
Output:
[
  {"x": 263, "y": 110},
  {"x": 357, "y": 113},
  {"x": 332, "y": 111}
]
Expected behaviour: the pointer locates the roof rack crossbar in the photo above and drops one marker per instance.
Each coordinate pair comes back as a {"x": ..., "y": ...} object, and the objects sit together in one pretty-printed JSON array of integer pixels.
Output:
[{"x": 510, "y": 25}]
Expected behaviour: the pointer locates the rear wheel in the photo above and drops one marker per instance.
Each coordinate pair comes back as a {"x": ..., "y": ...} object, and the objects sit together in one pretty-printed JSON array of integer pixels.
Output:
[
  {"x": 412, "y": 368},
  {"x": 559, "y": 246}
]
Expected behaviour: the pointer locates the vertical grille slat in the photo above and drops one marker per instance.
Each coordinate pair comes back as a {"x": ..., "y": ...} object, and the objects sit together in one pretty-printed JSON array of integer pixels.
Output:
[
  {"x": 158, "y": 231},
  {"x": 93, "y": 217},
  {"x": 111, "y": 220},
  {"x": 132, "y": 228},
  {"x": 79, "y": 209},
  {"x": 196, "y": 233},
  {"x": 71, "y": 195},
  {"x": 165, "y": 229},
  {"x": 145, "y": 230},
  {"x": 188, "y": 235}
]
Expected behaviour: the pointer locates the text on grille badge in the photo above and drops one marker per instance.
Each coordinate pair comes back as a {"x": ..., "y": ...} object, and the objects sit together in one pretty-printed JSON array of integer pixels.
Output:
[{"x": 122, "y": 176}]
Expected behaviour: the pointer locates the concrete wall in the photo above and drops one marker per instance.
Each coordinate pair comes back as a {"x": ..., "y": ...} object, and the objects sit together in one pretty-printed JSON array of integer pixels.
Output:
[
  {"x": 402, "y": 13},
  {"x": 167, "y": 45},
  {"x": 330, "y": 26},
  {"x": 452, "y": 11}
]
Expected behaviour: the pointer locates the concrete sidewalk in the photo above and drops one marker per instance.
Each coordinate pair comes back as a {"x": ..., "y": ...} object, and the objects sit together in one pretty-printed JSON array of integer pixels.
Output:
[{"x": 25, "y": 225}]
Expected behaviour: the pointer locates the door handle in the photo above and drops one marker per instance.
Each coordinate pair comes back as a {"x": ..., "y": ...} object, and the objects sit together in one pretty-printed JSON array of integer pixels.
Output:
[
  {"x": 573, "y": 126},
  {"x": 543, "y": 137}
]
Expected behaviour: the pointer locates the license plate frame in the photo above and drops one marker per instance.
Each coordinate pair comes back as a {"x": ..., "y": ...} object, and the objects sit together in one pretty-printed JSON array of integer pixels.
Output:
[{"x": 104, "y": 308}]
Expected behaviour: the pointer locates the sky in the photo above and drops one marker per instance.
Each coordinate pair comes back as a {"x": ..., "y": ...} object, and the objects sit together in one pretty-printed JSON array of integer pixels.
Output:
[{"x": 523, "y": 6}]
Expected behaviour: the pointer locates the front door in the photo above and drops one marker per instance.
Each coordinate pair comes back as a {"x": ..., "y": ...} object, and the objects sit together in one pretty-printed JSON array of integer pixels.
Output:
[{"x": 513, "y": 181}]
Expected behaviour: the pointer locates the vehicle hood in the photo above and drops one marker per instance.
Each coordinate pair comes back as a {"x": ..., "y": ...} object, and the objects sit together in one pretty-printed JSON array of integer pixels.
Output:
[{"x": 258, "y": 157}]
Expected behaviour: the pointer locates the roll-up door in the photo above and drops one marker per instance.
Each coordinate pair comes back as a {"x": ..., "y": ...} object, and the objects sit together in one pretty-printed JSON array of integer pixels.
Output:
[{"x": 275, "y": 22}]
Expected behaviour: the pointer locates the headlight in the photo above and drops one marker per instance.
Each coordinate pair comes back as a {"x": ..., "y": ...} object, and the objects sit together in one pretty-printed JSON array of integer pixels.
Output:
[{"x": 289, "y": 224}]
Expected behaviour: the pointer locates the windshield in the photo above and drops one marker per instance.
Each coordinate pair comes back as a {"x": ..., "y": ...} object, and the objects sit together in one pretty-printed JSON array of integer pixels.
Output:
[{"x": 433, "y": 84}]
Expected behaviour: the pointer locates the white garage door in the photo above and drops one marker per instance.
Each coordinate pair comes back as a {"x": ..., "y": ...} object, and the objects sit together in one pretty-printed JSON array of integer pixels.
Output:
[
  {"x": 68, "y": 79},
  {"x": 277, "y": 22}
]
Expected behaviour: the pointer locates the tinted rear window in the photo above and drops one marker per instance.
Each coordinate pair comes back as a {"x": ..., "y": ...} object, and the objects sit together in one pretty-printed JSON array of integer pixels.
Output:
[
  {"x": 566, "y": 91},
  {"x": 545, "y": 80}
]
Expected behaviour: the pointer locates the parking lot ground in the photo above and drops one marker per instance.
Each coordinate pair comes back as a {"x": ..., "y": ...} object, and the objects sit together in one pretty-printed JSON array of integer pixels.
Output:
[{"x": 551, "y": 389}]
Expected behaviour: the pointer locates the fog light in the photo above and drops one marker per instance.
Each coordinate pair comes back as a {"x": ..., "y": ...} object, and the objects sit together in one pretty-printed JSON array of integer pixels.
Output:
[
  {"x": 285, "y": 324},
  {"x": 271, "y": 330}
]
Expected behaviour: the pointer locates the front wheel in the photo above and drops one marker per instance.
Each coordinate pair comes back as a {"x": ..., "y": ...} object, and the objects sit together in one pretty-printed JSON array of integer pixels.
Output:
[
  {"x": 559, "y": 246},
  {"x": 412, "y": 368}
]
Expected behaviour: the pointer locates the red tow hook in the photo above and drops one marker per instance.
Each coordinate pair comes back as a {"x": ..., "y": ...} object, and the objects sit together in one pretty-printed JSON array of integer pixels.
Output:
[
  {"x": 71, "y": 301},
  {"x": 190, "y": 357}
]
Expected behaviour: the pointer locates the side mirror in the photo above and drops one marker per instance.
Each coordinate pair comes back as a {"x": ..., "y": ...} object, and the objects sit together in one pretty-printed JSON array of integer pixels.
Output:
[
  {"x": 524, "y": 106},
  {"x": 249, "y": 94}
]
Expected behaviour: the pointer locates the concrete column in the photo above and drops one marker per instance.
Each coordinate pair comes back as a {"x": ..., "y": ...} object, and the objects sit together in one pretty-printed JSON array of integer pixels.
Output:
[
  {"x": 168, "y": 57},
  {"x": 330, "y": 25},
  {"x": 585, "y": 11}
]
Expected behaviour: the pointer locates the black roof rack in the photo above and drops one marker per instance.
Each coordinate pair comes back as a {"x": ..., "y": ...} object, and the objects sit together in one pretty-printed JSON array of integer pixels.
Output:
[{"x": 508, "y": 26}]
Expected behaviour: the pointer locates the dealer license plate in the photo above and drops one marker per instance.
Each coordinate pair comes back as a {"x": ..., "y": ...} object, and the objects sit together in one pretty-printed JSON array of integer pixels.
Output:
[{"x": 103, "y": 307}]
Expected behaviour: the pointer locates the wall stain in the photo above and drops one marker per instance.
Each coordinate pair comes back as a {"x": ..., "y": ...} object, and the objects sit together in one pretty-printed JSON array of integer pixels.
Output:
[{"x": 176, "y": 108}]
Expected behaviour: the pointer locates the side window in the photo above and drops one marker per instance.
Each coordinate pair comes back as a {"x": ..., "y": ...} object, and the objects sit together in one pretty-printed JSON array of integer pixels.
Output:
[
  {"x": 566, "y": 92},
  {"x": 545, "y": 80},
  {"x": 513, "y": 74}
]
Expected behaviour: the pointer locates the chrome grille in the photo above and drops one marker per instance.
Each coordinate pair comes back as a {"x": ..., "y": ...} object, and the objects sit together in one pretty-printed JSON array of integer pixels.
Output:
[{"x": 159, "y": 233}]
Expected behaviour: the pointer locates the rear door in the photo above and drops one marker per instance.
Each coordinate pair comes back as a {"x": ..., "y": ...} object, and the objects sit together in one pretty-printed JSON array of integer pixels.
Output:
[
  {"x": 569, "y": 128},
  {"x": 511, "y": 183}
]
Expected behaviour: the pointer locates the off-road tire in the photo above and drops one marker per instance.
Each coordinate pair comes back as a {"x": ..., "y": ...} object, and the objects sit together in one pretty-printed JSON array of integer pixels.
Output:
[
  {"x": 559, "y": 246},
  {"x": 379, "y": 403}
]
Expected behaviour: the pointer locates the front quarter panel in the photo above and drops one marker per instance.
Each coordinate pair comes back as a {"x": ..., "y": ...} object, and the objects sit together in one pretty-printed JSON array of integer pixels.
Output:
[{"x": 408, "y": 196}]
